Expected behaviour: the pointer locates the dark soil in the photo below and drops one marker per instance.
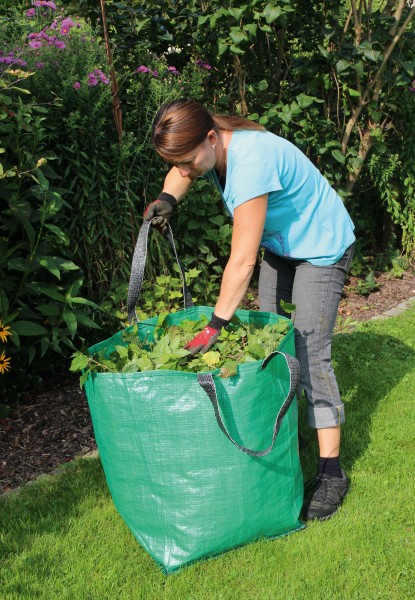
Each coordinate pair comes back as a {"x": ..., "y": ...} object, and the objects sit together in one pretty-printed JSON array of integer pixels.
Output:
[{"x": 52, "y": 426}]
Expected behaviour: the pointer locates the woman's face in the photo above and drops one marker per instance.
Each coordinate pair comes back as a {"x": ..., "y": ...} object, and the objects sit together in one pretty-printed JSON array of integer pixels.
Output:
[{"x": 200, "y": 161}]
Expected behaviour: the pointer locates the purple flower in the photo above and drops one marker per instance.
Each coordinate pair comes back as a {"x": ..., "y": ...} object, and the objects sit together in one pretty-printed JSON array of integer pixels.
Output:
[
  {"x": 155, "y": 73},
  {"x": 202, "y": 64},
  {"x": 76, "y": 85},
  {"x": 142, "y": 69},
  {"x": 174, "y": 71},
  {"x": 66, "y": 26},
  {"x": 30, "y": 13},
  {"x": 45, "y": 3},
  {"x": 60, "y": 44},
  {"x": 68, "y": 22},
  {"x": 102, "y": 76},
  {"x": 40, "y": 65},
  {"x": 35, "y": 44},
  {"x": 6, "y": 60},
  {"x": 92, "y": 80}
]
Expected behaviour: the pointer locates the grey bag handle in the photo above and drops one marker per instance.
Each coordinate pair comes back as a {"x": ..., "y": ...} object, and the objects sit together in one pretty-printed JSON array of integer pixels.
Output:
[
  {"x": 207, "y": 382},
  {"x": 137, "y": 271}
]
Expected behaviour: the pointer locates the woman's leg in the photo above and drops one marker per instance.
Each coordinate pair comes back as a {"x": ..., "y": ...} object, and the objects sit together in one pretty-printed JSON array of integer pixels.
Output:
[
  {"x": 316, "y": 295},
  {"x": 316, "y": 292}
]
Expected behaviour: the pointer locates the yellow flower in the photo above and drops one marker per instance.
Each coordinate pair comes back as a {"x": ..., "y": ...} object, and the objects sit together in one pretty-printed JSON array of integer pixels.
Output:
[
  {"x": 4, "y": 363},
  {"x": 4, "y": 332}
]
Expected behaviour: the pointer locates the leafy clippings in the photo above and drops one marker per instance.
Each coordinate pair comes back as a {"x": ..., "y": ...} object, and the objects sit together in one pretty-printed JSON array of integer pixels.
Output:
[{"x": 237, "y": 344}]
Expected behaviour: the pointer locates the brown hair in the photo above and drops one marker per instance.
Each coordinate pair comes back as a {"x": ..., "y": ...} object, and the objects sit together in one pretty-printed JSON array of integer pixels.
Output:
[{"x": 182, "y": 125}]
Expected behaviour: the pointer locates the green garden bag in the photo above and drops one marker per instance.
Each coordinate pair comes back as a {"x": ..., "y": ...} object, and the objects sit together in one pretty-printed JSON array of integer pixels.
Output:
[{"x": 197, "y": 464}]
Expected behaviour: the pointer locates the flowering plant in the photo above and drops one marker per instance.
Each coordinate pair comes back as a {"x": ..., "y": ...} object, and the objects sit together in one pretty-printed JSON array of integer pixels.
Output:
[
  {"x": 159, "y": 82},
  {"x": 4, "y": 359},
  {"x": 41, "y": 307},
  {"x": 58, "y": 48}
]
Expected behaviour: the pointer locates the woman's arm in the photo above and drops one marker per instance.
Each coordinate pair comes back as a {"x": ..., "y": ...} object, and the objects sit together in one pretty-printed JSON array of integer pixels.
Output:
[
  {"x": 248, "y": 226},
  {"x": 176, "y": 185}
]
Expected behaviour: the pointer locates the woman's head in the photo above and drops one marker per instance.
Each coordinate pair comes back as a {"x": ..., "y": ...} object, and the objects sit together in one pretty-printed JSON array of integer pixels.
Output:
[
  {"x": 179, "y": 127},
  {"x": 182, "y": 125}
]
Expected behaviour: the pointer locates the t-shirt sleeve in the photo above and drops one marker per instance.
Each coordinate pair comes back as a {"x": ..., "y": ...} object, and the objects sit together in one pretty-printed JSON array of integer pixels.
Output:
[{"x": 252, "y": 178}]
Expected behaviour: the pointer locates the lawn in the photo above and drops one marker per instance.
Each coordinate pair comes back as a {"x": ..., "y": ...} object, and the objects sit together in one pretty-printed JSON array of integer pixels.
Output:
[{"x": 62, "y": 538}]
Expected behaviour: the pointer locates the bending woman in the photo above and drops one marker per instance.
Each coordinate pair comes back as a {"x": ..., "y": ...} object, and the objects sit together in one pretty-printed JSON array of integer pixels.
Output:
[{"x": 278, "y": 200}]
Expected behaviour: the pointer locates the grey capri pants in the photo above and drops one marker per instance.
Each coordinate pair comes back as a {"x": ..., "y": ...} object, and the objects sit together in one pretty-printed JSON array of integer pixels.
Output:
[{"x": 316, "y": 293}]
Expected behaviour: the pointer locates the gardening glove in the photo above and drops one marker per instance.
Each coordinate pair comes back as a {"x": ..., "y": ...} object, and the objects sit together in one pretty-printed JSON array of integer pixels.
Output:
[
  {"x": 207, "y": 337},
  {"x": 162, "y": 210}
]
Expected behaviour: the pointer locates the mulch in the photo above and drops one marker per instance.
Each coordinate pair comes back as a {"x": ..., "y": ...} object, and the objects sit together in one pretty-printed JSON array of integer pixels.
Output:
[
  {"x": 42, "y": 431},
  {"x": 52, "y": 426}
]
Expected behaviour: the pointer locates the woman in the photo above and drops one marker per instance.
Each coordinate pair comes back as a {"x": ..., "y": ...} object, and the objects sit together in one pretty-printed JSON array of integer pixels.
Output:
[{"x": 280, "y": 201}]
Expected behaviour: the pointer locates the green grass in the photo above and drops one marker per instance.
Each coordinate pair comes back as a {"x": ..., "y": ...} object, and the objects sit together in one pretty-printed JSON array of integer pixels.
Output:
[{"x": 62, "y": 538}]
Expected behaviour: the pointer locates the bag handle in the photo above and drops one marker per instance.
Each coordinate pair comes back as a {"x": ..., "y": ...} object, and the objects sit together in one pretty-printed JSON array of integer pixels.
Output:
[
  {"x": 137, "y": 271},
  {"x": 207, "y": 382}
]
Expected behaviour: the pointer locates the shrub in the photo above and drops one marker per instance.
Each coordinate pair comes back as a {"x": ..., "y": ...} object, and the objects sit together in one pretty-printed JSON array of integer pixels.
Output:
[{"x": 39, "y": 283}]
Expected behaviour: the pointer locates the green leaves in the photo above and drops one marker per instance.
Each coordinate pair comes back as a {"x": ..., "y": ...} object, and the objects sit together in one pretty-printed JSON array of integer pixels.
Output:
[
  {"x": 29, "y": 328},
  {"x": 339, "y": 156},
  {"x": 237, "y": 36},
  {"x": 79, "y": 362},
  {"x": 342, "y": 65},
  {"x": 287, "y": 306},
  {"x": 238, "y": 344},
  {"x": 70, "y": 319},
  {"x": 365, "y": 49},
  {"x": 271, "y": 13},
  {"x": 236, "y": 13},
  {"x": 211, "y": 359}
]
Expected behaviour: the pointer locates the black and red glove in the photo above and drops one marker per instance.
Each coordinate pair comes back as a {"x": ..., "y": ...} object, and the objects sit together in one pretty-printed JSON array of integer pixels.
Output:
[
  {"x": 161, "y": 211},
  {"x": 207, "y": 337}
]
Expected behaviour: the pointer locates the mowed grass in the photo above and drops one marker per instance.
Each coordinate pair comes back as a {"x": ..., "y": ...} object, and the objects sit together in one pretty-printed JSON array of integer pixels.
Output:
[{"x": 61, "y": 537}]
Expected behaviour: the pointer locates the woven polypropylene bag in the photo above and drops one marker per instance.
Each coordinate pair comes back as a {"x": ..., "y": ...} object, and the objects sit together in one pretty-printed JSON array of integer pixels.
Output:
[{"x": 182, "y": 487}]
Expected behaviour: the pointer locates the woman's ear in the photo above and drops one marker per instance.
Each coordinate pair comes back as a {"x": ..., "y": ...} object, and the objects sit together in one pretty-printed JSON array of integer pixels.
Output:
[{"x": 212, "y": 137}]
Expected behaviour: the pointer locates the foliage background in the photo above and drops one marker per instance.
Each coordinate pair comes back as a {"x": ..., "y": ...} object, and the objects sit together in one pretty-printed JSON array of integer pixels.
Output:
[{"x": 335, "y": 79}]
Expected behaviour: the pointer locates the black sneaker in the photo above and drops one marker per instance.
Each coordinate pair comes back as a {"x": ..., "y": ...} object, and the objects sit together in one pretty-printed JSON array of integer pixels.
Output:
[{"x": 327, "y": 493}]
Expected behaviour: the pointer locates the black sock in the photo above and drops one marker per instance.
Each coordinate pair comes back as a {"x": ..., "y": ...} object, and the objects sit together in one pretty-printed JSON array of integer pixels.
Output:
[{"x": 329, "y": 466}]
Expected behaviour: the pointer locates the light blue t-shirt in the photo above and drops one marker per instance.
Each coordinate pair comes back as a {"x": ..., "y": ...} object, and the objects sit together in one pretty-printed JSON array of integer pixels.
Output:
[{"x": 305, "y": 219}]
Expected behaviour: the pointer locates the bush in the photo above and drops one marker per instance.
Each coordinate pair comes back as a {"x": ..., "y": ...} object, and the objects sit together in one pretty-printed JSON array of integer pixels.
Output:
[
  {"x": 72, "y": 194},
  {"x": 40, "y": 300}
]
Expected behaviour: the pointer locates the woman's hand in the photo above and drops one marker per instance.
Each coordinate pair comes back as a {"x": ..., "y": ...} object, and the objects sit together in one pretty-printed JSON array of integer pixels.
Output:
[
  {"x": 203, "y": 341},
  {"x": 208, "y": 336},
  {"x": 160, "y": 211}
]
